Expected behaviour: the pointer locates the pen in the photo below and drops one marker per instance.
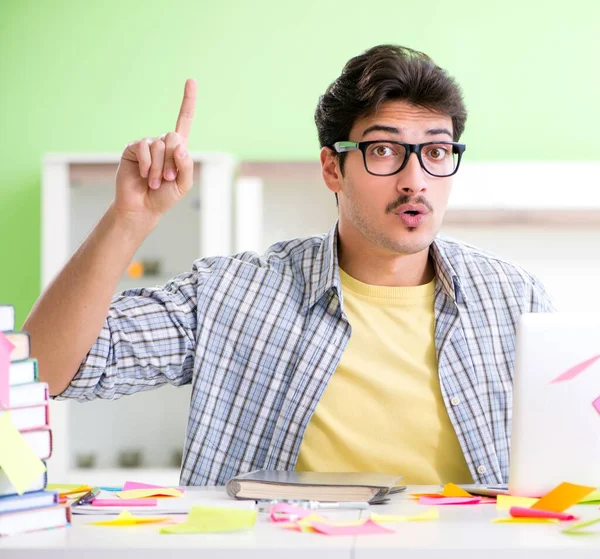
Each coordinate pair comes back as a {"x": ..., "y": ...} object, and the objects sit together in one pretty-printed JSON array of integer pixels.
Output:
[
  {"x": 87, "y": 497},
  {"x": 314, "y": 505}
]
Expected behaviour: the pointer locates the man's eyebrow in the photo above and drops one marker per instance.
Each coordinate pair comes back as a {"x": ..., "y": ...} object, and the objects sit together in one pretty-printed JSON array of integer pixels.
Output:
[
  {"x": 436, "y": 131},
  {"x": 394, "y": 130},
  {"x": 381, "y": 128}
]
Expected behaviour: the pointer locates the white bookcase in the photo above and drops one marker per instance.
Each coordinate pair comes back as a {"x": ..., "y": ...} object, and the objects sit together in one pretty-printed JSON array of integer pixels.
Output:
[
  {"x": 520, "y": 211},
  {"x": 76, "y": 190}
]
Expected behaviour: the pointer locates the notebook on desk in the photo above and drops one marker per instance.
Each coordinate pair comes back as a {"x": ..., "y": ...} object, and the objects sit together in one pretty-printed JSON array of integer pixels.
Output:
[
  {"x": 313, "y": 486},
  {"x": 168, "y": 505}
]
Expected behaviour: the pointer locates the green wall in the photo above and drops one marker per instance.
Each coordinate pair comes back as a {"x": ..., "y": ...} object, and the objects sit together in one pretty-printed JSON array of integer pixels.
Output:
[{"x": 91, "y": 76}]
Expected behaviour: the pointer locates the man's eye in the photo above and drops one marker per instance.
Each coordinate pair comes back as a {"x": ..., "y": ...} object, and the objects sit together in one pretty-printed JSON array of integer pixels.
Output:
[
  {"x": 437, "y": 152},
  {"x": 382, "y": 150}
]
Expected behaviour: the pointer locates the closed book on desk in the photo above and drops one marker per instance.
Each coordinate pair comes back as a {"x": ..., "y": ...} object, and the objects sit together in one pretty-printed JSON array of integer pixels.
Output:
[
  {"x": 23, "y": 372},
  {"x": 22, "y": 345},
  {"x": 7, "y": 317},
  {"x": 28, "y": 501},
  {"x": 7, "y": 488},
  {"x": 27, "y": 395},
  {"x": 43, "y": 518},
  {"x": 30, "y": 418},
  {"x": 313, "y": 486}
]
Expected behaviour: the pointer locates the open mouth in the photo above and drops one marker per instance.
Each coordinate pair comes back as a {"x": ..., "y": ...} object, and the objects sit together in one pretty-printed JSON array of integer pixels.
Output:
[{"x": 411, "y": 212}]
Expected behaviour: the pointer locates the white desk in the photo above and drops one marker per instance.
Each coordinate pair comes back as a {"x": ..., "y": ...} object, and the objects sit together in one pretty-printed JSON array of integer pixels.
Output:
[{"x": 462, "y": 532}]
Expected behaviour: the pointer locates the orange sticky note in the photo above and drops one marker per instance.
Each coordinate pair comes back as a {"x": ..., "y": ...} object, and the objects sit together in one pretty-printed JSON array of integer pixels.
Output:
[
  {"x": 451, "y": 490},
  {"x": 562, "y": 497}
]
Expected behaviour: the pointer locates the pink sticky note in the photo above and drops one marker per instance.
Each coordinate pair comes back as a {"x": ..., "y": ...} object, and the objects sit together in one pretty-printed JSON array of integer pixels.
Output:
[
  {"x": 576, "y": 370},
  {"x": 284, "y": 512},
  {"x": 124, "y": 502},
  {"x": 129, "y": 485},
  {"x": 596, "y": 404},
  {"x": 6, "y": 348},
  {"x": 366, "y": 529},
  {"x": 526, "y": 512},
  {"x": 449, "y": 500}
]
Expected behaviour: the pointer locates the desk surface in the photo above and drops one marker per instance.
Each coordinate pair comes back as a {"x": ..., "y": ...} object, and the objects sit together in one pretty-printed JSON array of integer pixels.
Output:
[{"x": 461, "y": 532}]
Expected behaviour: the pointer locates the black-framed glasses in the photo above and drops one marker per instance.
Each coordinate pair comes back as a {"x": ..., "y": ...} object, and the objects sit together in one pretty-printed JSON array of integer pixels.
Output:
[{"x": 386, "y": 157}]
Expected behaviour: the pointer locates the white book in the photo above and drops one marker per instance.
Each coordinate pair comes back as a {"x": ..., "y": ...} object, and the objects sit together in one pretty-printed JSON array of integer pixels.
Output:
[
  {"x": 40, "y": 442},
  {"x": 21, "y": 343},
  {"x": 26, "y": 419},
  {"x": 26, "y": 395},
  {"x": 32, "y": 520},
  {"x": 7, "y": 317},
  {"x": 22, "y": 372},
  {"x": 7, "y": 488}
]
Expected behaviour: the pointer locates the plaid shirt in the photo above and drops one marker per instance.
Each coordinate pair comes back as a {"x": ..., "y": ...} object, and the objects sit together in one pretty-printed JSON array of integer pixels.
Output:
[{"x": 259, "y": 337}]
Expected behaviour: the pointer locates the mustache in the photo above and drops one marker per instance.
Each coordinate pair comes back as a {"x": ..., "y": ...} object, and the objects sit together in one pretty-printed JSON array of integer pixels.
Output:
[{"x": 404, "y": 199}]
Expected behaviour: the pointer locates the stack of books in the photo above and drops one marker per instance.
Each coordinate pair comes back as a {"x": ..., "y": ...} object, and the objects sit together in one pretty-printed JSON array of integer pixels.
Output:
[{"x": 27, "y": 406}]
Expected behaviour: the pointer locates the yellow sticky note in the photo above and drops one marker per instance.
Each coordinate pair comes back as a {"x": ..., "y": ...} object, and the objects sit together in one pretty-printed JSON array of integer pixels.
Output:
[
  {"x": 18, "y": 460},
  {"x": 128, "y": 519},
  {"x": 521, "y": 520},
  {"x": 504, "y": 502},
  {"x": 431, "y": 514},
  {"x": 144, "y": 493},
  {"x": 213, "y": 519},
  {"x": 592, "y": 498},
  {"x": 562, "y": 497},
  {"x": 305, "y": 524},
  {"x": 451, "y": 490},
  {"x": 65, "y": 490},
  {"x": 67, "y": 487}
]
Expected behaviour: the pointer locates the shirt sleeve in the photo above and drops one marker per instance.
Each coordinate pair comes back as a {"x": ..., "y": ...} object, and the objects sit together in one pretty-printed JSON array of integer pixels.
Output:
[
  {"x": 540, "y": 300},
  {"x": 148, "y": 339}
]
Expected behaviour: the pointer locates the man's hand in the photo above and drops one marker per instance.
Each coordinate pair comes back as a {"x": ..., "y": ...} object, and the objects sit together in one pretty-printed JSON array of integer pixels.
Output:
[{"x": 155, "y": 173}]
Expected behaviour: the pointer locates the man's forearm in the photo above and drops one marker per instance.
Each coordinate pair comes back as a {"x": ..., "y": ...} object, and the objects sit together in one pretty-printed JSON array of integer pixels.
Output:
[{"x": 67, "y": 318}]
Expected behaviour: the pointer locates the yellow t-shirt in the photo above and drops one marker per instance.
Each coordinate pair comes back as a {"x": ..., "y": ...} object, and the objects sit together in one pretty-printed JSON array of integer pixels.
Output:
[{"x": 382, "y": 411}]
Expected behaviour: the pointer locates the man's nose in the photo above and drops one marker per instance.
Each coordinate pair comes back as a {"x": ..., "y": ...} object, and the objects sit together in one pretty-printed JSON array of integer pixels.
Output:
[{"x": 412, "y": 179}]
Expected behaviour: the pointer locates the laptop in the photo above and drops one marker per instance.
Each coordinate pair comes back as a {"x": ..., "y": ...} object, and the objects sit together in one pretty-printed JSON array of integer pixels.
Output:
[{"x": 556, "y": 403}]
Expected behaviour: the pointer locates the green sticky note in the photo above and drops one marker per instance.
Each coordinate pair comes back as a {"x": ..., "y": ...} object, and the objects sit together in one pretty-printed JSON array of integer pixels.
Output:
[
  {"x": 576, "y": 529},
  {"x": 17, "y": 458},
  {"x": 592, "y": 498},
  {"x": 213, "y": 519}
]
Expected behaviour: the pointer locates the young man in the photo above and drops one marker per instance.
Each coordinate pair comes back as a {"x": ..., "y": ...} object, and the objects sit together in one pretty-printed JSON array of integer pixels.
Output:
[{"x": 377, "y": 347}]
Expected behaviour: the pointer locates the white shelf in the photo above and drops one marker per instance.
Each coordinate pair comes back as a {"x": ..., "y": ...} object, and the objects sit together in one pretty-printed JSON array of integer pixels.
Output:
[
  {"x": 116, "y": 477},
  {"x": 76, "y": 190}
]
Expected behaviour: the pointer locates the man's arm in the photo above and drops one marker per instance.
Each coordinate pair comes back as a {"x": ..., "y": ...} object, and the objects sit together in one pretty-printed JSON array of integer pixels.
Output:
[{"x": 68, "y": 317}]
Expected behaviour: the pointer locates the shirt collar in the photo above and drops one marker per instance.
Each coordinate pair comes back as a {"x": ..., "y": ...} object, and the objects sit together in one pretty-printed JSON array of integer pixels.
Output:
[
  {"x": 325, "y": 273},
  {"x": 448, "y": 272}
]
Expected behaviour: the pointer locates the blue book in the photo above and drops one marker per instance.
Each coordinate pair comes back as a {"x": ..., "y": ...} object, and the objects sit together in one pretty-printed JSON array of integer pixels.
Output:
[{"x": 28, "y": 501}]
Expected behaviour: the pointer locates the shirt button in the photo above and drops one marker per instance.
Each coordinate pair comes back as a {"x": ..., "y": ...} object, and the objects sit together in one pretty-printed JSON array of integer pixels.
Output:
[
  {"x": 455, "y": 401},
  {"x": 481, "y": 469}
]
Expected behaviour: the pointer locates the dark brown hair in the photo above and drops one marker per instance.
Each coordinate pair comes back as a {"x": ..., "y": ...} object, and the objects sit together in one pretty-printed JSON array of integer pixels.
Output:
[{"x": 383, "y": 73}]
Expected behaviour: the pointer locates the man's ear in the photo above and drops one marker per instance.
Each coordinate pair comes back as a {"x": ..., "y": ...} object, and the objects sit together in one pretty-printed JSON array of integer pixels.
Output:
[{"x": 330, "y": 168}]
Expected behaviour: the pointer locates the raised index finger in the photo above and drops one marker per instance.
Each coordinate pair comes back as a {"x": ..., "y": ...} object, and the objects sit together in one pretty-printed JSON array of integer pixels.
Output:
[{"x": 186, "y": 112}]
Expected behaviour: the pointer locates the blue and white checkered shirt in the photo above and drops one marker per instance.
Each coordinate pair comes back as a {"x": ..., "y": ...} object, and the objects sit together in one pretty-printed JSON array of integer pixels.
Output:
[{"x": 259, "y": 337}]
